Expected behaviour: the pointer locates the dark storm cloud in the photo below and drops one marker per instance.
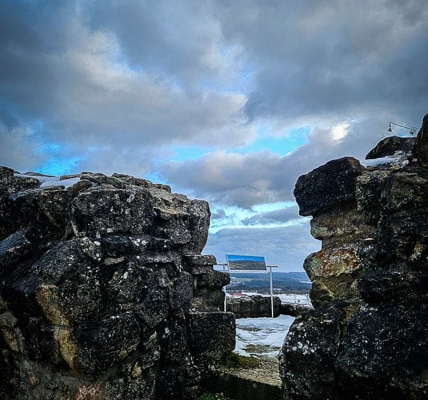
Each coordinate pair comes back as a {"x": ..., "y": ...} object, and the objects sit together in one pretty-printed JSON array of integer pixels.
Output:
[
  {"x": 80, "y": 82},
  {"x": 178, "y": 39},
  {"x": 123, "y": 85},
  {"x": 148, "y": 74},
  {"x": 319, "y": 57},
  {"x": 362, "y": 63}
]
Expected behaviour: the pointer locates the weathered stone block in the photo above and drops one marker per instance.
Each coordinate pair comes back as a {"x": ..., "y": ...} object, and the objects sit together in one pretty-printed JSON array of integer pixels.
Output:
[
  {"x": 391, "y": 145},
  {"x": 308, "y": 356},
  {"x": 384, "y": 353},
  {"x": 328, "y": 185},
  {"x": 211, "y": 333},
  {"x": 101, "y": 211}
]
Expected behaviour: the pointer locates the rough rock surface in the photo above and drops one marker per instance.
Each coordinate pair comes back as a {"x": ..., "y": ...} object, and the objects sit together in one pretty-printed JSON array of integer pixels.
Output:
[
  {"x": 367, "y": 336},
  {"x": 254, "y": 306},
  {"x": 104, "y": 293},
  {"x": 420, "y": 151},
  {"x": 294, "y": 309},
  {"x": 390, "y": 146},
  {"x": 330, "y": 184},
  {"x": 260, "y": 306}
]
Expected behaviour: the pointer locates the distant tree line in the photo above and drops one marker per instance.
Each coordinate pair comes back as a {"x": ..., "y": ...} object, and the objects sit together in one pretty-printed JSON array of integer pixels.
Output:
[{"x": 295, "y": 282}]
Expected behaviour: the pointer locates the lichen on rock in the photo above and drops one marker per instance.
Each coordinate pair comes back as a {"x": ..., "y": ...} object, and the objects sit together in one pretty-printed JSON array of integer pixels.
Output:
[
  {"x": 366, "y": 337},
  {"x": 104, "y": 293}
]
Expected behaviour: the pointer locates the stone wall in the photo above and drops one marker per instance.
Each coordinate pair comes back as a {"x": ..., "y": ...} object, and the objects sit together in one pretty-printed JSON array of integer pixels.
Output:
[
  {"x": 257, "y": 306},
  {"x": 254, "y": 306},
  {"x": 367, "y": 337},
  {"x": 104, "y": 293}
]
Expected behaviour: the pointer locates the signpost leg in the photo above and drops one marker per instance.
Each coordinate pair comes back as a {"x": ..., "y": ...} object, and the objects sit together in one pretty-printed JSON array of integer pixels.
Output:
[
  {"x": 224, "y": 290},
  {"x": 271, "y": 290}
]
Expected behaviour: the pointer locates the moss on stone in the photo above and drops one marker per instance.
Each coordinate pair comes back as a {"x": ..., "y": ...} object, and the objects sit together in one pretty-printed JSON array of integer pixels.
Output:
[{"x": 233, "y": 360}]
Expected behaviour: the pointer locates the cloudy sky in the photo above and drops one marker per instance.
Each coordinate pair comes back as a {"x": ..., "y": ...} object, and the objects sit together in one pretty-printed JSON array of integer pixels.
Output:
[{"x": 228, "y": 101}]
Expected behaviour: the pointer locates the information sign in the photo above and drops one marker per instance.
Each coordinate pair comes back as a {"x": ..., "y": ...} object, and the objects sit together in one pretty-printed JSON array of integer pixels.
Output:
[{"x": 239, "y": 263}]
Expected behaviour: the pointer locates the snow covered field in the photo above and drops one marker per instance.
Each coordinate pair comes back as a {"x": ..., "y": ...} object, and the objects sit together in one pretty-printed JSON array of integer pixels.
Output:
[
  {"x": 265, "y": 336},
  {"x": 261, "y": 336},
  {"x": 302, "y": 299},
  {"x": 294, "y": 298}
]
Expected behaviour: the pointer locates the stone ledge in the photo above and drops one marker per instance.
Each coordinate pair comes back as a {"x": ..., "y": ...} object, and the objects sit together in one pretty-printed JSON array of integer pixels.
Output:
[{"x": 241, "y": 387}]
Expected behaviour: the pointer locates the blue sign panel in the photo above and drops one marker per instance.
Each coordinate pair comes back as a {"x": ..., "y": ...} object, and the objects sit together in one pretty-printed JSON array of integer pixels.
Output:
[{"x": 238, "y": 263}]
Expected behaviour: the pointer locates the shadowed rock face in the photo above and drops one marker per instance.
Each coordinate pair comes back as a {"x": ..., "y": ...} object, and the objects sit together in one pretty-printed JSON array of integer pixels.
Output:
[
  {"x": 103, "y": 291},
  {"x": 328, "y": 185},
  {"x": 367, "y": 336},
  {"x": 420, "y": 151}
]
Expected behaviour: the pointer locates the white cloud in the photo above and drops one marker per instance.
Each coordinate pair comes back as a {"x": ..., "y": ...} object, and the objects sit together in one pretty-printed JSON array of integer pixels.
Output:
[
  {"x": 116, "y": 86},
  {"x": 339, "y": 131},
  {"x": 286, "y": 247}
]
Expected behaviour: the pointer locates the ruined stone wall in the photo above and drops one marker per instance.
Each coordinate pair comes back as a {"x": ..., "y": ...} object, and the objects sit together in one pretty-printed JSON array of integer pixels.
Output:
[
  {"x": 254, "y": 306},
  {"x": 367, "y": 337},
  {"x": 104, "y": 293},
  {"x": 261, "y": 306}
]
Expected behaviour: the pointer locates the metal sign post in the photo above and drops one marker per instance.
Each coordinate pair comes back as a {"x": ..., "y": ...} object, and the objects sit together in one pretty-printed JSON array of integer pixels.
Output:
[
  {"x": 271, "y": 287},
  {"x": 248, "y": 264},
  {"x": 225, "y": 269}
]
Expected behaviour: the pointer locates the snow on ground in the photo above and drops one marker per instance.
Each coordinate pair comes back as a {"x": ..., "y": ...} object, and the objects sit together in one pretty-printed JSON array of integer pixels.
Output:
[
  {"x": 261, "y": 336},
  {"x": 293, "y": 298},
  {"x": 301, "y": 299},
  {"x": 265, "y": 336}
]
